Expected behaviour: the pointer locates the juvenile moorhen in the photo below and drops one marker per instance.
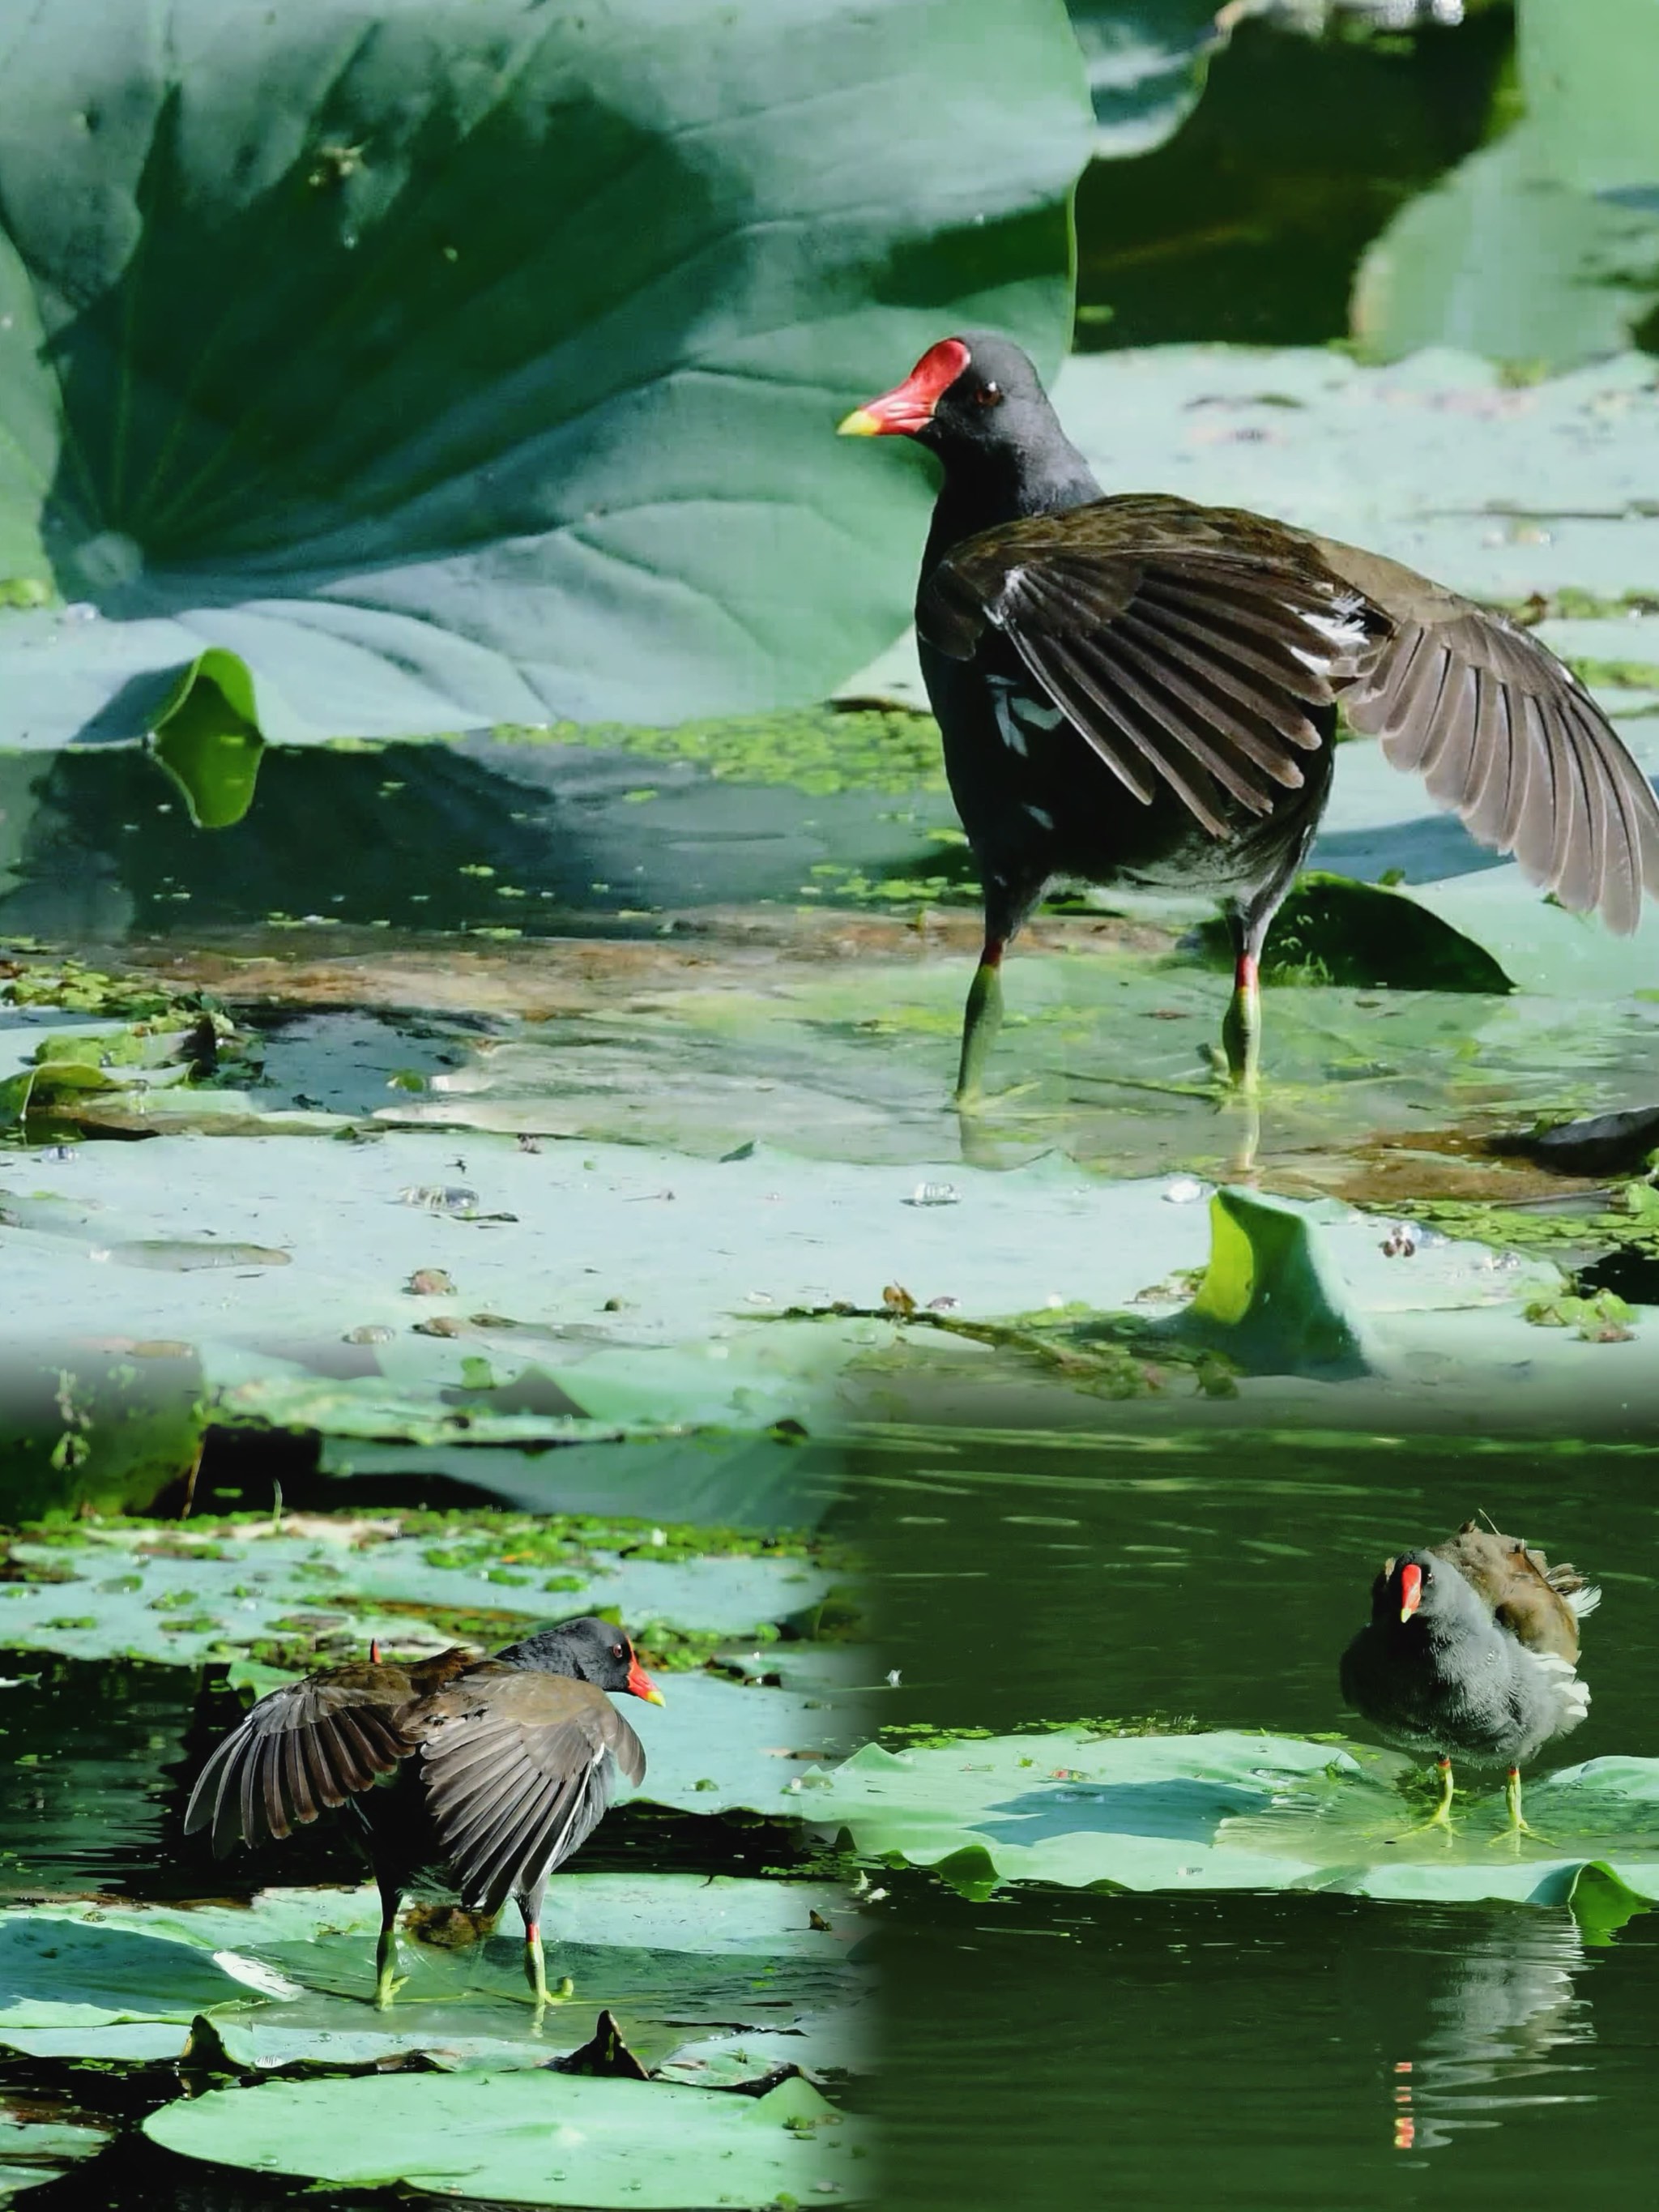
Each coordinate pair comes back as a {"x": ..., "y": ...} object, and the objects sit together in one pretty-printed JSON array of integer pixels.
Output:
[
  {"x": 1472, "y": 1648},
  {"x": 1140, "y": 691},
  {"x": 494, "y": 1770}
]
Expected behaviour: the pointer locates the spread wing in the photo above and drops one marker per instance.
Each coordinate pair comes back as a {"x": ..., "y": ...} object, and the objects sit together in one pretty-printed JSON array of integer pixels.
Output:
[
  {"x": 519, "y": 1768},
  {"x": 1185, "y": 645},
  {"x": 1506, "y": 739},
  {"x": 309, "y": 1744}
]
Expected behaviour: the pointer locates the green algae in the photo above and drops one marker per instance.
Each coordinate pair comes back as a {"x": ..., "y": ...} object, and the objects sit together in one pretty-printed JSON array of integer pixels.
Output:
[{"x": 815, "y": 749}]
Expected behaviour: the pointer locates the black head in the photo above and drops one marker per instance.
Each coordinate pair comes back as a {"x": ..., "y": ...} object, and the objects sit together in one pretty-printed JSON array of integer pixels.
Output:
[
  {"x": 976, "y": 397},
  {"x": 591, "y": 1651},
  {"x": 1416, "y": 1587}
]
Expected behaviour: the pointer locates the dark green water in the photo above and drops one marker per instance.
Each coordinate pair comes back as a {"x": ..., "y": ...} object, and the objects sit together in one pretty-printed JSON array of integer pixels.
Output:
[{"x": 1057, "y": 2048}]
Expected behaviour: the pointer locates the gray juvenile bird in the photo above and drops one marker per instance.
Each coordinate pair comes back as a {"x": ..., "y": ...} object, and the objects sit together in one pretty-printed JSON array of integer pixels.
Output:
[{"x": 1472, "y": 1649}]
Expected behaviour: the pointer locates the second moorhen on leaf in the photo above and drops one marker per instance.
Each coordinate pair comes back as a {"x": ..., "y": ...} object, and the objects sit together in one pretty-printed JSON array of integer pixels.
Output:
[
  {"x": 1472, "y": 1648},
  {"x": 1140, "y": 691},
  {"x": 496, "y": 1770}
]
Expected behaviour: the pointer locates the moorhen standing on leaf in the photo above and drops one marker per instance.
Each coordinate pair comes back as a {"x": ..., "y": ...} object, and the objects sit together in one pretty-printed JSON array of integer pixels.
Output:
[
  {"x": 497, "y": 1770},
  {"x": 1472, "y": 1649},
  {"x": 1140, "y": 691}
]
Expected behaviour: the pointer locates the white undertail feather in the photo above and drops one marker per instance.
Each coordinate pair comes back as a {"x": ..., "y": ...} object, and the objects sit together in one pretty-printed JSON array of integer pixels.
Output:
[
  {"x": 1574, "y": 1694},
  {"x": 1581, "y": 1601}
]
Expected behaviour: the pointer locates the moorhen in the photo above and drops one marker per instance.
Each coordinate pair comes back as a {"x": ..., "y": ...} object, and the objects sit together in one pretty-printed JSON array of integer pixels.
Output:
[
  {"x": 497, "y": 1770},
  {"x": 1140, "y": 691},
  {"x": 1472, "y": 1648}
]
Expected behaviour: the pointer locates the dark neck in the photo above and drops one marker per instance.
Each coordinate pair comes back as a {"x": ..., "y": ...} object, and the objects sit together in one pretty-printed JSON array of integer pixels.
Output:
[
  {"x": 993, "y": 488},
  {"x": 547, "y": 1654}
]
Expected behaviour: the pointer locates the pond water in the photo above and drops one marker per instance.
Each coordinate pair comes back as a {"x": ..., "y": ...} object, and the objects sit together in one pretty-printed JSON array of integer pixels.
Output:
[{"x": 1056, "y": 2047}]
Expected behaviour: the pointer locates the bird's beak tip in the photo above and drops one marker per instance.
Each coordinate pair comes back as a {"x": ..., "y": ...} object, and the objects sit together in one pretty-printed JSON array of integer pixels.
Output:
[{"x": 861, "y": 423}]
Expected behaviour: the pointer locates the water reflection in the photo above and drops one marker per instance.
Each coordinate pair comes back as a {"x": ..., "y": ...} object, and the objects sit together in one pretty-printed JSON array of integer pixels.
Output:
[{"x": 1508, "y": 2004}]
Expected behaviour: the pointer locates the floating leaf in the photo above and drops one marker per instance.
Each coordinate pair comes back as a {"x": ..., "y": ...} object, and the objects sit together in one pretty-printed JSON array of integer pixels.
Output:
[
  {"x": 1231, "y": 1811},
  {"x": 534, "y": 2137},
  {"x": 690, "y": 1965}
]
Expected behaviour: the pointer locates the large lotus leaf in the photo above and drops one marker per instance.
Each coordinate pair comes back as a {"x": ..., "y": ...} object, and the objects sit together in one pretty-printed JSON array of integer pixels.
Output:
[
  {"x": 385, "y": 370},
  {"x": 1231, "y": 1811},
  {"x": 534, "y": 2138},
  {"x": 692, "y": 1966},
  {"x": 1543, "y": 248}
]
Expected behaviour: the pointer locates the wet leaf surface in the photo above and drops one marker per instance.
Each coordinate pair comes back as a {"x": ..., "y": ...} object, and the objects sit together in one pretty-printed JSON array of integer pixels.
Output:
[
  {"x": 692, "y": 1966},
  {"x": 537, "y": 2138},
  {"x": 1231, "y": 1811}
]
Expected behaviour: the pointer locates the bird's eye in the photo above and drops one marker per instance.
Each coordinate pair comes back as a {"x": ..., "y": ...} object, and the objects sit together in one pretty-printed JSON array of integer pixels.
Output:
[
  {"x": 619, "y": 1652},
  {"x": 988, "y": 395}
]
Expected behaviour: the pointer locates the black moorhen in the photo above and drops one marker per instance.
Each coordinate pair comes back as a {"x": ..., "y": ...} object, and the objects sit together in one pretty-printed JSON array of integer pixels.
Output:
[
  {"x": 497, "y": 1770},
  {"x": 1472, "y": 1648},
  {"x": 1140, "y": 691}
]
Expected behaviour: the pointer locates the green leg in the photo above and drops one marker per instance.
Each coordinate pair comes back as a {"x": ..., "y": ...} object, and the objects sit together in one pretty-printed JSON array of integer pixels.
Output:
[
  {"x": 387, "y": 1980},
  {"x": 1440, "y": 1817},
  {"x": 535, "y": 1966},
  {"x": 981, "y": 1019},
  {"x": 1241, "y": 1032},
  {"x": 535, "y": 1972},
  {"x": 1517, "y": 1827}
]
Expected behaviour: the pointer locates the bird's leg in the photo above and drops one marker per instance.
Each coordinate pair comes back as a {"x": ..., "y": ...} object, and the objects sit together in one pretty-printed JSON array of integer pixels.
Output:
[
  {"x": 535, "y": 1972},
  {"x": 387, "y": 1879},
  {"x": 387, "y": 1980},
  {"x": 1517, "y": 1827},
  {"x": 535, "y": 1966},
  {"x": 1440, "y": 1817},
  {"x": 1241, "y": 1031},
  {"x": 981, "y": 1018}
]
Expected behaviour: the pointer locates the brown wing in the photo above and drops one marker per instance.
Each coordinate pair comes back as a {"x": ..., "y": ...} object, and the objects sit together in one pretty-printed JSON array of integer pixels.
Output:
[
  {"x": 1184, "y": 644},
  {"x": 1527, "y": 1595},
  {"x": 309, "y": 1744},
  {"x": 520, "y": 1767},
  {"x": 1505, "y": 738}
]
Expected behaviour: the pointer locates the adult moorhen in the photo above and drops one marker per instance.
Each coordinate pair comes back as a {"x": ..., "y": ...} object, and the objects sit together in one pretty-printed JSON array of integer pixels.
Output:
[
  {"x": 497, "y": 1770},
  {"x": 1472, "y": 1648},
  {"x": 1140, "y": 691}
]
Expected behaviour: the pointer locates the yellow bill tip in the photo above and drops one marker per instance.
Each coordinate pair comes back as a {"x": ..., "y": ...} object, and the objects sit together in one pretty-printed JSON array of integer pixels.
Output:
[
  {"x": 861, "y": 423},
  {"x": 655, "y": 1698}
]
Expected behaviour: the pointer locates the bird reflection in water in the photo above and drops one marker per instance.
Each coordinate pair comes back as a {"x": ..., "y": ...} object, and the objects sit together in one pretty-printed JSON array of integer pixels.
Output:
[{"x": 1507, "y": 2007}]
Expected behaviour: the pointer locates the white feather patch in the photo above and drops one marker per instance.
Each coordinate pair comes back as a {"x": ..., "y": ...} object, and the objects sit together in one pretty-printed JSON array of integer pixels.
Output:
[
  {"x": 1341, "y": 628},
  {"x": 1018, "y": 714}
]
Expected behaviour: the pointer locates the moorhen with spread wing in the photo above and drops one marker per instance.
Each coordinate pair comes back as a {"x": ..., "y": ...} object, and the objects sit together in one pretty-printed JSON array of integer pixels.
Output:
[
  {"x": 494, "y": 1770},
  {"x": 1140, "y": 691},
  {"x": 1472, "y": 1648}
]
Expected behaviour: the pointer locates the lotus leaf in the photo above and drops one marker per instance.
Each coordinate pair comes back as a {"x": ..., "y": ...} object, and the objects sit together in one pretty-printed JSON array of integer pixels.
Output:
[
  {"x": 535, "y": 2138},
  {"x": 562, "y": 326},
  {"x": 697, "y": 1970},
  {"x": 1231, "y": 1811}
]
